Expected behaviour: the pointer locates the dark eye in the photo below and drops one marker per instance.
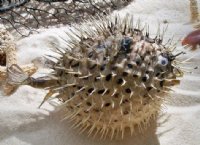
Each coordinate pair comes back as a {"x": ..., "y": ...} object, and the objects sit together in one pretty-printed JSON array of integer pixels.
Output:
[{"x": 163, "y": 60}]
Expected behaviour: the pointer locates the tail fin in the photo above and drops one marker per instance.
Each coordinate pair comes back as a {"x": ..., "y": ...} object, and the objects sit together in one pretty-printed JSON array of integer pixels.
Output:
[{"x": 16, "y": 76}]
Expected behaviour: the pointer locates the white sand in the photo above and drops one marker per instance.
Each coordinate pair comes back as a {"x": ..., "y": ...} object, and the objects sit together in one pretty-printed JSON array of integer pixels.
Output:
[{"x": 22, "y": 123}]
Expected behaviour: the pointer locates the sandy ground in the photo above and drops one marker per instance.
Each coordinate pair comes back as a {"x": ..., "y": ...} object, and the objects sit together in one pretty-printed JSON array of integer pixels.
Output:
[{"x": 22, "y": 123}]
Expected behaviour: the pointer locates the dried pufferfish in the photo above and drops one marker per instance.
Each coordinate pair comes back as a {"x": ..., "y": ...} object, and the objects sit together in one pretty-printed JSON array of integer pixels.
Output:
[
  {"x": 26, "y": 16},
  {"x": 112, "y": 77},
  {"x": 8, "y": 58}
]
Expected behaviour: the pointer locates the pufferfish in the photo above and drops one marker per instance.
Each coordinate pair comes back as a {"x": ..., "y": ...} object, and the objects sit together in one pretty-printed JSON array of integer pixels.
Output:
[{"x": 111, "y": 77}]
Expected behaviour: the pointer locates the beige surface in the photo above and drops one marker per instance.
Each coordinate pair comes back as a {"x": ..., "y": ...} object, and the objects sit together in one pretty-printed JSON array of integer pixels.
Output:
[{"x": 22, "y": 123}]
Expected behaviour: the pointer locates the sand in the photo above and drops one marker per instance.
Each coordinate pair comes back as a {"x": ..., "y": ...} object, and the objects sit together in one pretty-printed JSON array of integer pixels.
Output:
[{"x": 22, "y": 123}]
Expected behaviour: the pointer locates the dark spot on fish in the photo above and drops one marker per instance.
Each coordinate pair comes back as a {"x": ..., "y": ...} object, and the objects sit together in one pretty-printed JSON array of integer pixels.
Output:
[
  {"x": 116, "y": 95},
  {"x": 147, "y": 72},
  {"x": 101, "y": 91},
  {"x": 125, "y": 74},
  {"x": 149, "y": 88},
  {"x": 145, "y": 95},
  {"x": 144, "y": 79},
  {"x": 135, "y": 75},
  {"x": 88, "y": 103},
  {"x": 79, "y": 87},
  {"x": 76, "y": 75},
  {"x": 90, "y": 54},
  {"x": 161, "y": 83},
  {"x": 102, "y": 68},
  {"x": 90, "y": 90},
  {"x": 125, "y": 101},
  {"x": 107, "y": 92},
  {"x": 85, "y": 78},
  {"x": 107, "y": 104},
  {"x": 128, "y": 90},
  {"x": 138, "y": 62},
  {"x": 71, "y": 107},
  {"x": 130, "y": 65},
  {"x": 157, "y": 74},
  {"x": 85, "y": 111},
  {"x": 120, "y": 81},
  {"x": 108, "y": 77}
]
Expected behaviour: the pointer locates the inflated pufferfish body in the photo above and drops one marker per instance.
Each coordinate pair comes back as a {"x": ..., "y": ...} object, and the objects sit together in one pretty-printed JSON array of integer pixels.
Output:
[{"x": 111, "y": 77}]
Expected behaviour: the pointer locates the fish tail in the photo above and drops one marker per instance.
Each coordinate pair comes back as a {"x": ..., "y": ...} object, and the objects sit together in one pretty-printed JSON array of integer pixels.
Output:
[{"x": 16, "y": 76}]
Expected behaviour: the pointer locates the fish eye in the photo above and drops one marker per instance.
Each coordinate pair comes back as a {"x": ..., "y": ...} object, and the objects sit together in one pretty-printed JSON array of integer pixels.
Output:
[{"x": 162, "y": 61}]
